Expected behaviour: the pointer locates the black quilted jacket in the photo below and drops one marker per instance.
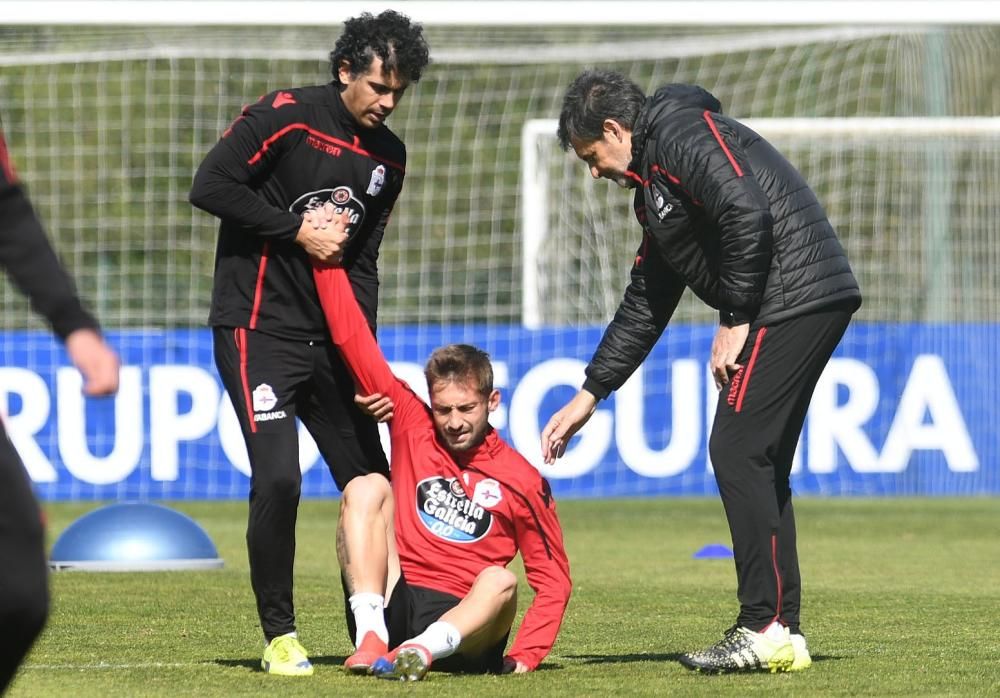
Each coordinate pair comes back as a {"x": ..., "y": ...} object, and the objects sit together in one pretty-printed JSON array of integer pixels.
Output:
[{"x": 724, "y": 214}]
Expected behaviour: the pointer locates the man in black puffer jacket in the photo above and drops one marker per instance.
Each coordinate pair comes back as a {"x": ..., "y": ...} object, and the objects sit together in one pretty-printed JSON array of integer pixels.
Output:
[{"x": 724, "y": 214}]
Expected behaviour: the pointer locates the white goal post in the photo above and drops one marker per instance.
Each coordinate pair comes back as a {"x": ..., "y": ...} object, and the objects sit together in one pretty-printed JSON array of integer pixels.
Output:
[{"x": 935, "y": 141}]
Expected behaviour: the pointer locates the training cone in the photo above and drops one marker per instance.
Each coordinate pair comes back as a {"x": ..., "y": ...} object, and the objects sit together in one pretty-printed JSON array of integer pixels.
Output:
[{"x": 715, "y": 551}]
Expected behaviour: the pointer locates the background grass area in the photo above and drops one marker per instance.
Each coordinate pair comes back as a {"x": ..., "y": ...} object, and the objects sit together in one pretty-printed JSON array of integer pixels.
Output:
[{"x": 901, "y": 598}]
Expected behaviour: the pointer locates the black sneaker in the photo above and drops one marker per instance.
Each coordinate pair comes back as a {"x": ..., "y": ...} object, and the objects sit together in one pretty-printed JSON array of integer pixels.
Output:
[{"x": 743, "y": 649}]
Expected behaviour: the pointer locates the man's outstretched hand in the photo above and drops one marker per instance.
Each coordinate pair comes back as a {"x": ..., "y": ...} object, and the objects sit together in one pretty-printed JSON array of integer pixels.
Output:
[{"x": 565, "y": 423}]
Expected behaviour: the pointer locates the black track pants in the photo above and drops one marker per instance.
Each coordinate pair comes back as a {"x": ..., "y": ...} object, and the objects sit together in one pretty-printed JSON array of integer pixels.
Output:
[
  {"x": 271, "y": 381},
  {"x": 757, "y": 425},
  {"x": 24, "y": 592}
]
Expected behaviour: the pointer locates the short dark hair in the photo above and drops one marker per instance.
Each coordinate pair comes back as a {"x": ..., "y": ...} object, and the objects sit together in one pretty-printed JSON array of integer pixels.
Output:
[
  {"x": 391, "y": 36},
  {"x": 594, "y": 96},
  {"x": 460, "y": 363}
]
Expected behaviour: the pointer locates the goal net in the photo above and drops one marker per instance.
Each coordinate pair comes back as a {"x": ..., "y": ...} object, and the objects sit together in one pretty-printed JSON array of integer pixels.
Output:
[
  {"x": 106, "y": 127},
  {"x": 906, "y": 194}
]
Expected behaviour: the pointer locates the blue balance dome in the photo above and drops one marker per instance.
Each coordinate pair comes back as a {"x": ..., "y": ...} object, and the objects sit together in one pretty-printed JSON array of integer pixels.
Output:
[{"x": 134, "y": 537}]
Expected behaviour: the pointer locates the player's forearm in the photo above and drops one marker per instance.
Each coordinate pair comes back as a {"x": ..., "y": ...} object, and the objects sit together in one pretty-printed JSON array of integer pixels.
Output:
[
  {"x": 236, "y": 203},
  {"x": 27, "y": 255},
  {"x": 547, "y": 572},
  {"x": 538, "y": 632},
  {"x": 350, "y": 332}
]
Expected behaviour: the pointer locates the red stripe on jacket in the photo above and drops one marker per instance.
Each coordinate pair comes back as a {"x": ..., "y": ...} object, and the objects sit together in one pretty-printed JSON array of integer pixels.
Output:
[
  {"x": 718, "y": 136},
  {"x": 354, "y": 147},
  {"x": 5, "y": 164},
  {"x": 258, "y": 292}
]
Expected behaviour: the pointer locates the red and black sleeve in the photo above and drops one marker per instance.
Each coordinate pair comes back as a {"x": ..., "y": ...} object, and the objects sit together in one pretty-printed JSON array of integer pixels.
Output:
[
  {"x": 361, "y": 352},
  {"x": 648, "y": 304},
  {"x": 247, "y": 152},
  {"x": 546, "y": 566}
]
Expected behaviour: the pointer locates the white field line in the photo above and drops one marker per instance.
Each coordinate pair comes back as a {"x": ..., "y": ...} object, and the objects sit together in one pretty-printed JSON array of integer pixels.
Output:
[{"x": 113, "y": 667}]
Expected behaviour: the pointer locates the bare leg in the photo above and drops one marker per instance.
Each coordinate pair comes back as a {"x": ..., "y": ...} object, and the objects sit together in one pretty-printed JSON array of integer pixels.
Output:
[
  {"x": 486, "y": 613},
  {"x": 366, "y": 545},
  {"x": 479, "y": 621},
  {"x": 366, "y": 548}
]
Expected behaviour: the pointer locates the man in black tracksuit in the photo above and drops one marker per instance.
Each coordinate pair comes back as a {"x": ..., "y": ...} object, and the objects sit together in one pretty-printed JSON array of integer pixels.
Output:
[
  {"x": 724, "y": 214},
  {"x": 308, "y": 149},
  {"x": 26, "y": 254}
]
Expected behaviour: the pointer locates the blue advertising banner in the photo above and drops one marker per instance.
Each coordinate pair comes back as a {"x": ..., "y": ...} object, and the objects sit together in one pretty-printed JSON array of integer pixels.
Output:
[{"x": 900, "y": 410}]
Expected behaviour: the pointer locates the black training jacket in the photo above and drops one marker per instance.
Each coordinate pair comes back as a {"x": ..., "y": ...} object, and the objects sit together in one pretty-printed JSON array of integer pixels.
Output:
[
  {"x": 293, "y": 150},
  {"x": 27, "y": 255},
  {"x": 724, "y": 214}
]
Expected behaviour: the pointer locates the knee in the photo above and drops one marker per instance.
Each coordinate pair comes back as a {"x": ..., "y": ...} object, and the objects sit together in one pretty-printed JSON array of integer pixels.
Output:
[
  {"x": 283, "y": 485},
  {"x": 499, "y": 581},
  {"x": 367, "y": 494},
  {"x": 718, "y": 450}
]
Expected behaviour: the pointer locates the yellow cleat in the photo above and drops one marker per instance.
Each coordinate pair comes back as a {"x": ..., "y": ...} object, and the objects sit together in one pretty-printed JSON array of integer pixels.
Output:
[
  {"x": 743, "y": 650},
  {"x": 802, "y": 659},
  {"x": 285, "y": 656}
]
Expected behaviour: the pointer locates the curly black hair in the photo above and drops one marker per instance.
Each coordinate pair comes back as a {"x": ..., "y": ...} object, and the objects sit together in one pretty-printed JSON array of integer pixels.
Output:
[{"x": 391, "y": 36}]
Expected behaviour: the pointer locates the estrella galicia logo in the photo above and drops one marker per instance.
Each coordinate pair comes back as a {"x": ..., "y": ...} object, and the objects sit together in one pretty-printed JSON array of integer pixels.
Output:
[
  {"x": 341, "y": 198},
  {"x": 447, "y": 512}
]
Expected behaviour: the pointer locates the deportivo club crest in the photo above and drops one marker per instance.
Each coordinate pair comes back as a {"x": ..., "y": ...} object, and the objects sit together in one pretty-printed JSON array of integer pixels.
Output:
[
  {"x": 377, "y": 181},
  {"x": 487, "y": 493},
  {"x": 264, "y": 398},
  {"x": 446, "y": 511}
]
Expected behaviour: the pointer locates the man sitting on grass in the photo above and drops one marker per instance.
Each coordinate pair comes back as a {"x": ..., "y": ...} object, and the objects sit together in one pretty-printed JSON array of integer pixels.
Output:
[{"x": 465, "y": 504}]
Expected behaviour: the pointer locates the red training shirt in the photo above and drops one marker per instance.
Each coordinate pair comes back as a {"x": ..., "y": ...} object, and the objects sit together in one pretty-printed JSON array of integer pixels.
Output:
[{"x": 457, "y": 514}]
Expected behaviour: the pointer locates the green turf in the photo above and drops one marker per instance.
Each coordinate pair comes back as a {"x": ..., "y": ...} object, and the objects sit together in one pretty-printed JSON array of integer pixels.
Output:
[{"x": 902, "y": 597}]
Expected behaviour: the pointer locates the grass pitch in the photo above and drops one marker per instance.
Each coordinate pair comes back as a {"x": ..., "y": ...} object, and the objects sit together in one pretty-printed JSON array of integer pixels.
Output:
[{"x": 901, "y": 597}]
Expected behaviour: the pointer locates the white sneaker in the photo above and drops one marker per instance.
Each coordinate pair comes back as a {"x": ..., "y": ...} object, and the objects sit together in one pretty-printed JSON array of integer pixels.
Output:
[{"x": 802, "y": 659}]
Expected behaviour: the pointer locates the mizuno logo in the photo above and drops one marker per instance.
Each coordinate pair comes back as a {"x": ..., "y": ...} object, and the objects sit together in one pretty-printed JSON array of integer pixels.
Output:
[
  {"x": 734, "y": 387},
  {"x": 281, "y": 99}
]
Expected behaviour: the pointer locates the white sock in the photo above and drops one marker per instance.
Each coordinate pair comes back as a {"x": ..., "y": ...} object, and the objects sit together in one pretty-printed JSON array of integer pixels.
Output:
[
  {"x": 775, "y": 632},
  {"x": 441, "y": 639},
  {"x": 369, "y": 616}
]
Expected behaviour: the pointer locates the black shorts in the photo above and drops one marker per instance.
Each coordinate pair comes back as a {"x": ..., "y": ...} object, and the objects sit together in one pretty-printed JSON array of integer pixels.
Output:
[
  {"x": 272, "y": 380},
  {"x": 412, "y": 609}
]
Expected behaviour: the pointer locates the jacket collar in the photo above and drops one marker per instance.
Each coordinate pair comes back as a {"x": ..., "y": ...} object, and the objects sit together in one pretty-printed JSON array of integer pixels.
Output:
[
  {"x": 341, "y": 115},
  {"x": 658, "y": 108},
  {"x": 639, "y": 136}
]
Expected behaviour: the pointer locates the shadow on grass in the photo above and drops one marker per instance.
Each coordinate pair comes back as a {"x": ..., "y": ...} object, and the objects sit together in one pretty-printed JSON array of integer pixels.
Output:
[
  {"x": 826, "y": 658},
  {"x": 255, "y": 663},
  {"x": 658, "y": 657},
  {"x": 239, "y": 663},
  {"x": 329, "y": 660},
  {"x": 338, "y": 661},
  {"x": 625, "y": 658}
]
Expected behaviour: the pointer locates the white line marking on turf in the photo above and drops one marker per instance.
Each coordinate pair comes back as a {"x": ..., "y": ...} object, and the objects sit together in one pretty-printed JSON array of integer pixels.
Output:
[{"x": 105, "y": 665}]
